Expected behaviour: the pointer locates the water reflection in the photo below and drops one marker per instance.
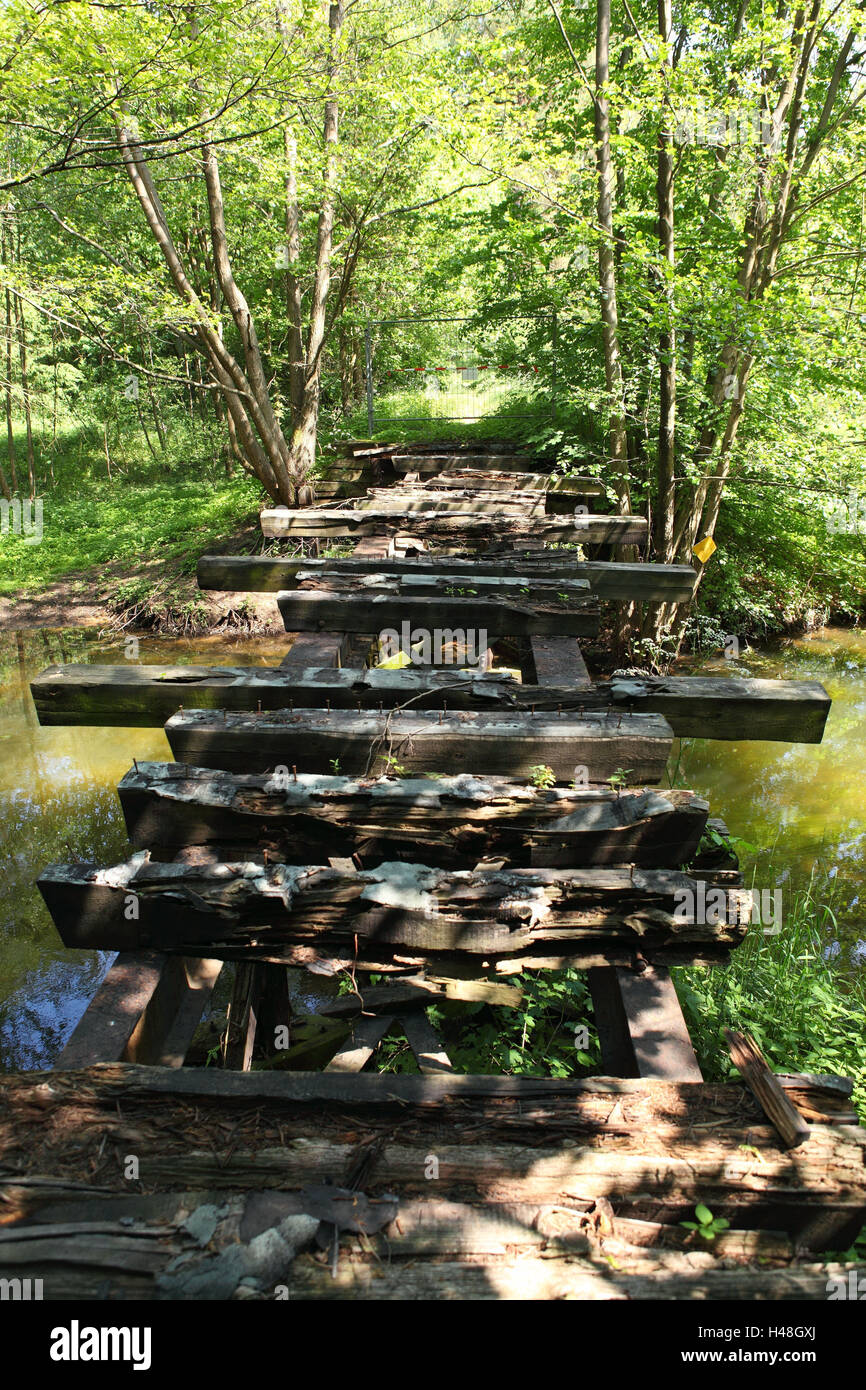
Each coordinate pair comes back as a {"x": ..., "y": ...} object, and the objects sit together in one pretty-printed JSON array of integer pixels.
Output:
[
  {"x": 58, "y": 801},
  {"x": 799, "y": 806}
]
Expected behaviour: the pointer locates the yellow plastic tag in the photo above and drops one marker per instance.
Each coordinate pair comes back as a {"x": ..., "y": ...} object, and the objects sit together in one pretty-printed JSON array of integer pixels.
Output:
[{"x": 704, "y": 549}]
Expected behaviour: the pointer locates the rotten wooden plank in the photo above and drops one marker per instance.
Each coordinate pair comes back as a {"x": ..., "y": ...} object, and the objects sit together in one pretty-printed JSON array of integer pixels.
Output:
[
  {"x": 495, "y": 615},
  {"x": 558, "y": 660},
  {"x": 327, "y": 523},
  {"x": 694, "y": 706},
  {"x": 780, "y": 1109},
  {"x": 608, "y": 579},
  {"x": 358, "y": 1049},
  {"x": 111, "y": 1017},
  {"x": 490, "y": 480},
  {"x": 410, "y": 910},
  {"x": 426, "y": 1046},
  {"x": 641, "y": 583},
  {"x": 512, "y": 744},
  {"x": 447, "y": 820},
  {"x": 641, "y": 1025},
  {"x": 315, "y": 651}
]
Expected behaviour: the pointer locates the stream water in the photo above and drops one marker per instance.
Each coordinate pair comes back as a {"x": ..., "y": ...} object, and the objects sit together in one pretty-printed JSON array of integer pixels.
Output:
[{"x": 798, "y": 809}]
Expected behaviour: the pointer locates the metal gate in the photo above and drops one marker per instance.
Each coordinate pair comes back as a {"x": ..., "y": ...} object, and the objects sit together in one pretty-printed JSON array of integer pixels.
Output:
[{"x": 491, "y": 366}]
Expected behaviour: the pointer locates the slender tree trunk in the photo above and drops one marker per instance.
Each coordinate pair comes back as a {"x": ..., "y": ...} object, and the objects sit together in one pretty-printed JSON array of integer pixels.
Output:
[
  {"x": 305, "y": 430},
  {"x": 294, "y": 309},
  {"x": 264, "y": 451},
  {"x": 25, "y": 391},
  {"x": 10, "y": 330},
  {"x": 664, "y": 511},
  {"x": 152, "y": 398},
  {"x": 617, "y": 435}
]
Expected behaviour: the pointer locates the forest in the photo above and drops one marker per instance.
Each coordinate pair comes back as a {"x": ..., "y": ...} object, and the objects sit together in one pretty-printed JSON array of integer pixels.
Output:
[{"x": 648, "y": 220}]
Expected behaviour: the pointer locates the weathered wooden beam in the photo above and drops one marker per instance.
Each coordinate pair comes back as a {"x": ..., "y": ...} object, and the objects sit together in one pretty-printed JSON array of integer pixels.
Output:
[
  {"x": 446, "y": 820},
  {"x": 429, "y": 583},
  {"x": 110, "y": 1019},
  {"x": 694, "y": 706},
  {"x": 426, "y": 1046},
  {"x": 555, "y": 488},
  {"x": 730, "y": 708},
  {"x": 166, "y": 1028},
  {"x": 431, "y": 463},
  {"x": 360, "y": 1046},
  {"x": 397, "y": 907},
  {"x": 494, "y": 615},
  {"x": 750, "y": 1062},
  {"x": 315, "y": 651},
  {"x": 653, "y": 1149},
  {"x": 640, "y": 583},
  {"x": 511, "y": 744},
  {"x": 467, "y": 501},
  {"x": 641, "y": 1026},
  {"x": 558, "y": 660},
  {"x": 145, "y": 1010},
  {"x": 329, "y": 523}
]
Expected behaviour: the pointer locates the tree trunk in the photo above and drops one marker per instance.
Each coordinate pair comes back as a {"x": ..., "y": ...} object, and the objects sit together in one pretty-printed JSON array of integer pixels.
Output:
[
  {"x": 10, "y": 433},
  {"x": 618, "y": 443},
  {"x": 25, "y": 391},
  {"x": 297, "y": 369},
  {"x": 306, "y": 426},
  {"x": 664, "y": 514},
  {"x": 264, "y": 450}
]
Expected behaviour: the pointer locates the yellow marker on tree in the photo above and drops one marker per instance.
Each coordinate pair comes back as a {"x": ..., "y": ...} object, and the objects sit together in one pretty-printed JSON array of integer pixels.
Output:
[{"x": 704, "y": 549}]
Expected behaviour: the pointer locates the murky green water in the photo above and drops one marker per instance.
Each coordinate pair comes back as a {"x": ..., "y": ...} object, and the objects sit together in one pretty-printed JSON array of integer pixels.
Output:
[{"x": 800, "y": 807}]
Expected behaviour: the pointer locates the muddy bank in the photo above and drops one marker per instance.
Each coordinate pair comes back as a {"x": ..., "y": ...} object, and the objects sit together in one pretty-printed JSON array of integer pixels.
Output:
[{"x": 147, "y": 595}]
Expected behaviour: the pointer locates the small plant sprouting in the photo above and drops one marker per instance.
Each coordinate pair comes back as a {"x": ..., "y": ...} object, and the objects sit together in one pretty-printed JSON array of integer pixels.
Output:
[
  {"x": 707, "y": 1225},
  {"x": 618, "y": 779},
  {"x": 335, "y": 766},
  {"x": 542, "y": 776},
  {"x": 393, "y": 768}
]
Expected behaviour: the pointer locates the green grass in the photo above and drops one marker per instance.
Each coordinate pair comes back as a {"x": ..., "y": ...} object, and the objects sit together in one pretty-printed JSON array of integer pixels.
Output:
[
  {"x": 412, "y": 416},
  {"x": 804, "y": 1007},
  {"x": 170, "y": 509}
]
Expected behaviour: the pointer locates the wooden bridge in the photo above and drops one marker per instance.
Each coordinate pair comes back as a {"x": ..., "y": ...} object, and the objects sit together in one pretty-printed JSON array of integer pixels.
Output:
[{"x": 358, "y": 820}]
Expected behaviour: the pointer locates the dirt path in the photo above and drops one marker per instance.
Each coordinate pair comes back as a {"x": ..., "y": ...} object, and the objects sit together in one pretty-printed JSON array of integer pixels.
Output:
[
  {"x": 77, "y": 601},
  {"x": 68, "y": 603}
]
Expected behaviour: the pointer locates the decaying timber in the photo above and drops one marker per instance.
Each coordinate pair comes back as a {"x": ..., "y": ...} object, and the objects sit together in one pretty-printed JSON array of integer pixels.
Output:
[
  {"x": 556, "y": 489},
  {"x": 427, "y": 463},
  {"x": 496, "y": 615},
  {"x": 592, "y": 747},
  {"x": 694, "y": 706},
  {"x": 468, "y": 501},
  {"x": 206, "y": 909},
  {"x": 608, "y": 579},
  {"x": 593, "y": 1175},
  {"x": 444, "y": 820},
  {"x": 327, "y": 523}
]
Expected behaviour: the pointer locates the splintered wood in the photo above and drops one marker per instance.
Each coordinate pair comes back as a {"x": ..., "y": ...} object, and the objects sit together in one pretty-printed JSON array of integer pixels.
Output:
[
  {"x": 399, "y": 910},
  {"x": 542, "y": 1188}
]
